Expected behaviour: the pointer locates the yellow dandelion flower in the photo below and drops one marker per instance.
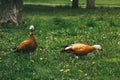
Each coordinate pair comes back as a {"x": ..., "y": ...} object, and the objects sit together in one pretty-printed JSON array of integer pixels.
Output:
[
  {"x": 61, "y": 70},
  {"x": 41, "y": 59},
  {"x": 55, "y": 39},
  {"x": 67, "y": 65},
  {"x": 93, "y": 62},
  {"x": 86, "y": 74},
  {"x": 40, "y": 49},
  {"x": 13, "y": 43},
  {"x": 118, "y": 42},
  {"x": 66, "y": 70}
]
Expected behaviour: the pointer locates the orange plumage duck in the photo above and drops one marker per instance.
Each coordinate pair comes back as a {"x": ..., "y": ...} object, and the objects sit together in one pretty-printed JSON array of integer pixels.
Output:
[
  {"x": 28, "y": 45},
  {"x": 81, "y": 49}
]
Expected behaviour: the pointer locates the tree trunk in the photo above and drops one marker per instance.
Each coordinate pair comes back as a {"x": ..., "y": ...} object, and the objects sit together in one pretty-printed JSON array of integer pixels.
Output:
[
  {"x": 11, "y": 11},
  {"x": 75, "y": 3},
  {"x": 90, "y": 3}
]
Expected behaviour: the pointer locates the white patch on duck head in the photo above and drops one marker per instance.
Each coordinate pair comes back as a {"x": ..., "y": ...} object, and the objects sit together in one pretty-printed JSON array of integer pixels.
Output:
[
  {"x": 31, "y": 27},
  {"x": 97, "y": 47}
]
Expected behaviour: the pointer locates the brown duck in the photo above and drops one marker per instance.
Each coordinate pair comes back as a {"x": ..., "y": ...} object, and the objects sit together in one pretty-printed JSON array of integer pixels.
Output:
[
  {"x": 81, "y": 49},
  {"x": 28, "y": 45}
]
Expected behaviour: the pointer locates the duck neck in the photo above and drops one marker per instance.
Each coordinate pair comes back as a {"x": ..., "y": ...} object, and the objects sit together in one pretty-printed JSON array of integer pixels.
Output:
[
  {"x": 93, "y": 48},
  {"x": 31, "y": 35}
]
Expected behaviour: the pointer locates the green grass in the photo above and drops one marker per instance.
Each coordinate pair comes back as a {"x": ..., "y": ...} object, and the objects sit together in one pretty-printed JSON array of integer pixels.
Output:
[
  {"x": 55, "y": 27},
  {"x": 82, "y": 2}
]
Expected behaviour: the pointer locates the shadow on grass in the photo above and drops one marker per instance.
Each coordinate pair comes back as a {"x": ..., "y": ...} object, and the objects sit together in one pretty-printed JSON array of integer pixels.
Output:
[
  {"x": 46, "y": 10},
  {"x": 64, "y": 10}
]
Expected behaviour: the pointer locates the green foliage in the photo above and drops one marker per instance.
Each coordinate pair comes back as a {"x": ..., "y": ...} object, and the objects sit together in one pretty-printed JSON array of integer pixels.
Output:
[{"x": 55, "y": 27}]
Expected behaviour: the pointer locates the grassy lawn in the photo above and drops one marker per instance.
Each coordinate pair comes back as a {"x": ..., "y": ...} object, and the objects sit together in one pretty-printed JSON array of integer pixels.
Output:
[
  {"x": 55, "y": 27},
  {"x": 83, "y": 2}
]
